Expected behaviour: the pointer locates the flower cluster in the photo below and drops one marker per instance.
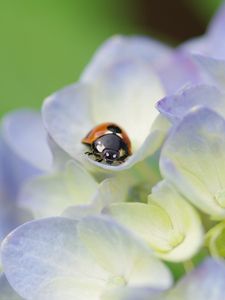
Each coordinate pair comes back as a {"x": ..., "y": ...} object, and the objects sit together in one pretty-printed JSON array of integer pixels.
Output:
[{"x": 76, "y": 227}]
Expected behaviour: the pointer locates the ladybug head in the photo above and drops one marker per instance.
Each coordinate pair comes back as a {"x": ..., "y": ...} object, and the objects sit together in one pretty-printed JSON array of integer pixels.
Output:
[{"x": 110, "y": 155}]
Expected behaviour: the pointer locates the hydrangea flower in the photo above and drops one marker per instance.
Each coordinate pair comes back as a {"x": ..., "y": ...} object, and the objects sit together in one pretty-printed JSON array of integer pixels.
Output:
[
  {"x": 23, "y": 154},
  {"x": 101, "y": 245},
  {"x": 20, "y": 159},
  {"x": 88, "y": 259}
]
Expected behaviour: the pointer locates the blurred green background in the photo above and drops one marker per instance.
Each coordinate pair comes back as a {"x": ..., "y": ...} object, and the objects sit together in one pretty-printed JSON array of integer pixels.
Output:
[{"x": 45, "y": 44}]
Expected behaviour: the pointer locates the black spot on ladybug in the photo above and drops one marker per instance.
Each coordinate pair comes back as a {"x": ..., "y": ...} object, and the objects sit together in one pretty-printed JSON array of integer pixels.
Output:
[{"x": 114, "y": 129}]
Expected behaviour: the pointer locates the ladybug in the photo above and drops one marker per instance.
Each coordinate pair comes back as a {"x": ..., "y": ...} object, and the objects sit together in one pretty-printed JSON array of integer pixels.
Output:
[{"x": 109, "y": 143}]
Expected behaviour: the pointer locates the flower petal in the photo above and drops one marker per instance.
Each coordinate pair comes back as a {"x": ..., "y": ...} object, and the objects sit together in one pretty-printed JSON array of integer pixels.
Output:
[
  {"x": 67, "y": 117},
  {"x": 177, "y": 70},
  {"x": 41, "y": 251},
  {"x": 76, "y": 258},
  {"x": 193, "y": 159},
  {"x": 177, "y": 106},
  {"x": 214, "y": 240},
  {"x": 107, "y": 192},
  {"x": 124, "y": 84},
  {"x": 212, "y": 43},
  {"x": 131, "y": 47},
  {"x": 164, "y": 223},
  {"x": 132, "y": 294},
  {"x": 123, "y": 90},
  {"x": 70, "y": 289},
  {"x": 11, "y": 216},
  {"x": 205, "y": 282},
  {"x": 50, "y": 195},
  {"x": 215, "y": 68},
  {"x": 116, "y": 250},
  {"x": 24, "y": 134},
  {"x": 186, "y": 221}
]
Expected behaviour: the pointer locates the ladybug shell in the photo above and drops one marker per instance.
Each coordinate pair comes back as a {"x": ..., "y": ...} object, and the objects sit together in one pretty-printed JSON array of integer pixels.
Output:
[{"x": 107, "y": 128}]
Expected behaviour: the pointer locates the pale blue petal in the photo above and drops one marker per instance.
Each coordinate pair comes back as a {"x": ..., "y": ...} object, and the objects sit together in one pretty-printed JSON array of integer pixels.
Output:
[
  {"x": 10, "y": 214},
  {"x": 177, "y": 70},
  {"x": 214, "y": 68},
  {"x": 125, "y": 47},
  {"x": 24, "y": 149},
  {"x": 67, "y": 117},
  {"x": 177, "y": 106},
  {"x": 205, "y": 282},
  {"x": 41, "y": 251},
  {"x": 213, "y": 42},
  {"x": 174, "y": 68},
  {"x": 24, "y": 134},
  {"x": 132, "y": 294}
]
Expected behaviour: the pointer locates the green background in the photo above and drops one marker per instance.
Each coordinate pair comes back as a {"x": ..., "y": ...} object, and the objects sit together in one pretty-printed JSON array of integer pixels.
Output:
[{"x": 45, "y": 44}]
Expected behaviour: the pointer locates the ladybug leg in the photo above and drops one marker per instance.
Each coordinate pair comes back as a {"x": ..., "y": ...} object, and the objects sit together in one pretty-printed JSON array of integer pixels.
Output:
[
  {"x": 122, "y": 159},
  {"x": 99, "y": 160},
  {"x": 88, "y": 153}
]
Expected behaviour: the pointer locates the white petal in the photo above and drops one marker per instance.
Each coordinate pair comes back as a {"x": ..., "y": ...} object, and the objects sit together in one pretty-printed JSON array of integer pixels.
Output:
[
  {"x": 67, "y": 117},
  {"x": 116, "y": 250},
  {"x": 193, "y": 159}
]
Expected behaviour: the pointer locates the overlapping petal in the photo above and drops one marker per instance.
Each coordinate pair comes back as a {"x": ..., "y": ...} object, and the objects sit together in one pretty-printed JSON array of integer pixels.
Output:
[
  {"x": 193, "y": 160},
  {"x": 51, "y": 194},
  {"x": 177, "y": 106},
  {"x": 214, "y": 68},
  {"x": 169, "y": 225},
  {"x": 110, "y": 190},
  {"x": 215, "y": 240},
  {"x": 96, "y": 253},
  {"x": 177, "y": 70},
  {"x": 205, "y": 282}
]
